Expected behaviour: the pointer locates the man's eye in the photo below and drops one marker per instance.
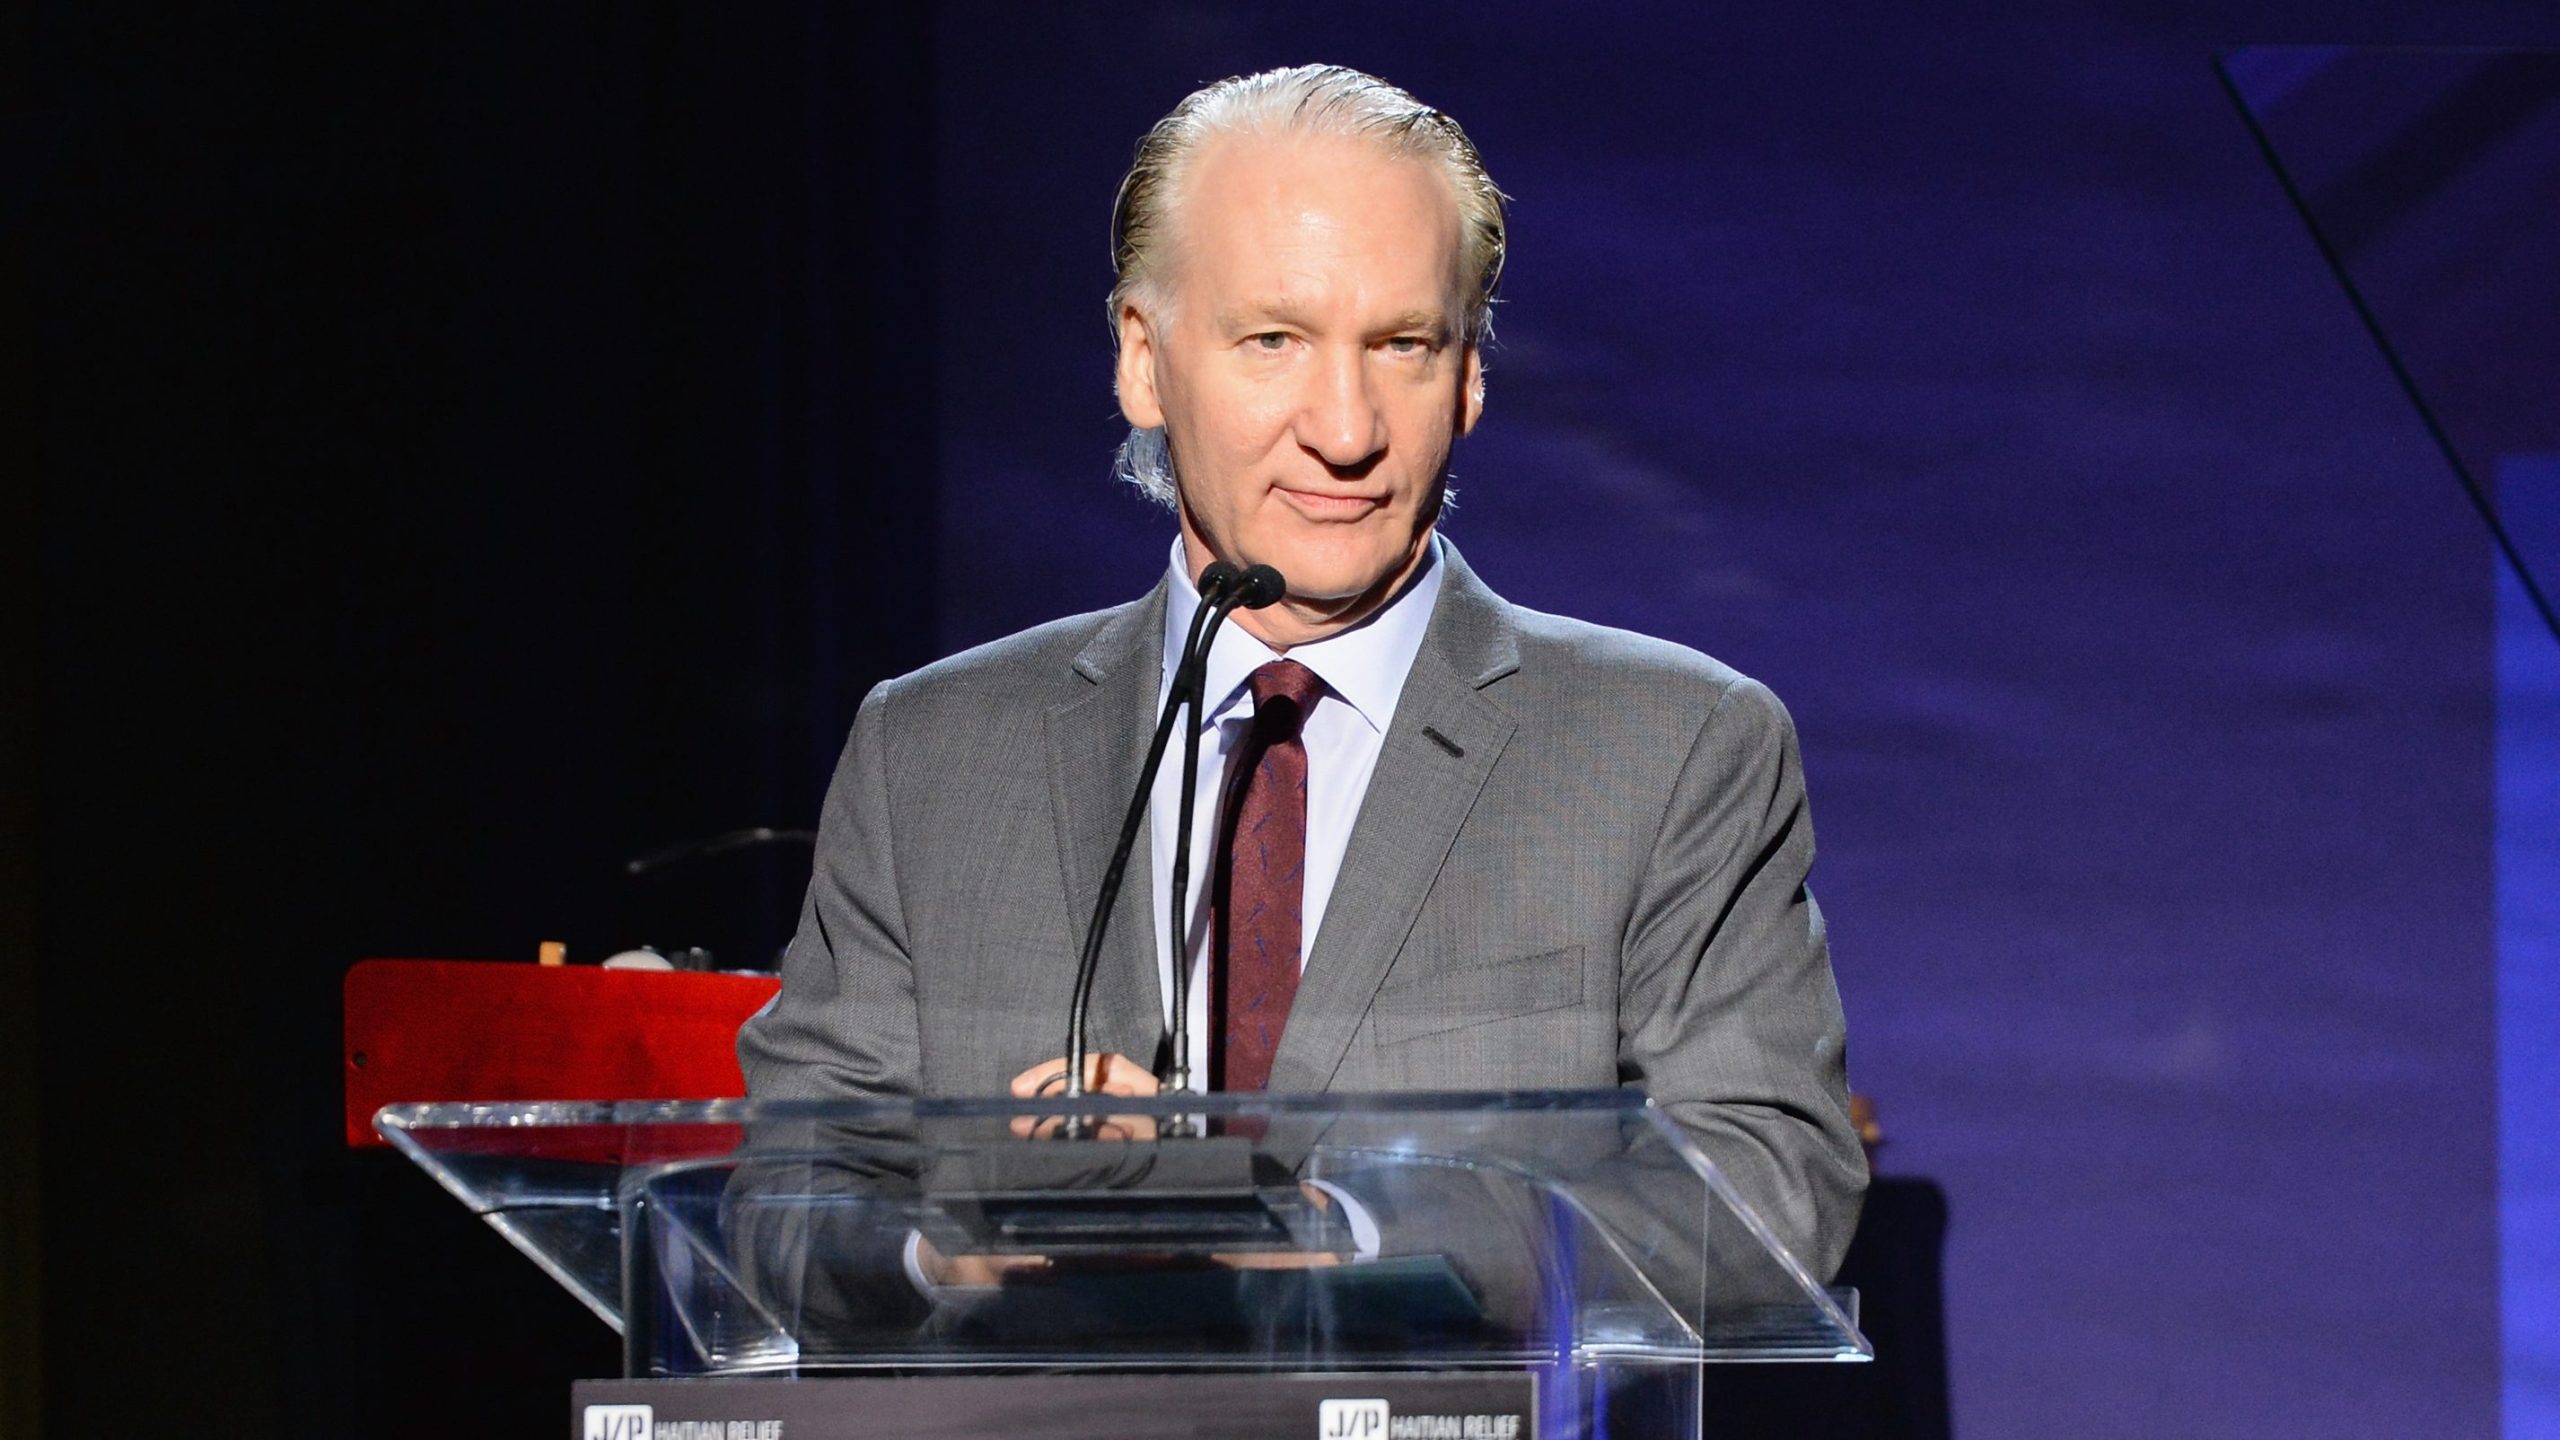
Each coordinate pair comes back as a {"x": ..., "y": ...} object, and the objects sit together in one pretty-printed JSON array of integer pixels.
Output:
[
  {"x": 1408, "y": 345},
  {"x": 1270, "y": 340}
]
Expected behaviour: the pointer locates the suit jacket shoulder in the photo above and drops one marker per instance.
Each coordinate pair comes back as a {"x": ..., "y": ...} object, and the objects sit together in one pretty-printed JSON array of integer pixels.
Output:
[
  {"x": 1617, "y": 713},
  {"x": 1575, "y": 666}
]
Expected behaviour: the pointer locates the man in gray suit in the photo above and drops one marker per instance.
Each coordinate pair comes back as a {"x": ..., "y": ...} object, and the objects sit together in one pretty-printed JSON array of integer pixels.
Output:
[{"x": 1516, "y": 851}]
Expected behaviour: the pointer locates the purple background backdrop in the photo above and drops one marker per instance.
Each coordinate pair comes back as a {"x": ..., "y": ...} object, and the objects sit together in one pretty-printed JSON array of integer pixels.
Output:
[{"x": 1963, "y": 374}]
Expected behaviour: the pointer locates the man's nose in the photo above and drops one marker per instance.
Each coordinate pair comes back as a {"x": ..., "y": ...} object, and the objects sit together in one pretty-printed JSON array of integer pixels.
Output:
[{"x": 1341, "y": 421}]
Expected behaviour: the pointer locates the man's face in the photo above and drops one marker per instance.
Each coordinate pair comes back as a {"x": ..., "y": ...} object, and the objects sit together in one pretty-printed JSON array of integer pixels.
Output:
[{"x": 1309, "y": 370}]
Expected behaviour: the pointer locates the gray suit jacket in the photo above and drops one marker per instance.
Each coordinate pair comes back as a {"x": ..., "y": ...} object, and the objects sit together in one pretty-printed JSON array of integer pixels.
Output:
[{"x": 1581, "y": 863}]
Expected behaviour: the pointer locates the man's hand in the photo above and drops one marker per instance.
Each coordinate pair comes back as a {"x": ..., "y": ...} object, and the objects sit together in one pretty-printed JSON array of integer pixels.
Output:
[
  {"x": 1105, "y": 1074},
  {"x": 942, "y": 1270}
]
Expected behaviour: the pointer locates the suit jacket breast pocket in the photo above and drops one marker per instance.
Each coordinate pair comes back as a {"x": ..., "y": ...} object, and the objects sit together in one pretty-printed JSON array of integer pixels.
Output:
[{"x": 1471, "y": 995}]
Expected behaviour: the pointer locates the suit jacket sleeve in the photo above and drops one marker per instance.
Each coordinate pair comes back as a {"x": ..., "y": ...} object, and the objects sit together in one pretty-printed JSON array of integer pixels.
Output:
[
  {"x": 1729, "y": 1017},
  {"x": 842, "y": 1027},
  {"x": 844, "y": 1024}
]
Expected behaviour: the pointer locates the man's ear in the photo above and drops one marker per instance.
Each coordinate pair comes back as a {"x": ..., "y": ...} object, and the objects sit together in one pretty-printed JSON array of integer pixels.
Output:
[
  {"x": 1471, "y": 391},
  {"x": 1135, "y": 377}
]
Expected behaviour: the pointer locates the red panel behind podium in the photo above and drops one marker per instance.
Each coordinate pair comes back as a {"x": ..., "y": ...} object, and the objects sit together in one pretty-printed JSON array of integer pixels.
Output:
[{"x": 485, "y": 1030}]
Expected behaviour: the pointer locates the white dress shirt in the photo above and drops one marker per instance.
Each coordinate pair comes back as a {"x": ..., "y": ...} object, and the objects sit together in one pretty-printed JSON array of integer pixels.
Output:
[{"x": 1363, "y": 669}]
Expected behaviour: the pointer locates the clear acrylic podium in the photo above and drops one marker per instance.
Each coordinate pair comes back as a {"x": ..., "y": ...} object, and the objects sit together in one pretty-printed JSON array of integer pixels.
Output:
[{"x": 1578, "y": 1244}]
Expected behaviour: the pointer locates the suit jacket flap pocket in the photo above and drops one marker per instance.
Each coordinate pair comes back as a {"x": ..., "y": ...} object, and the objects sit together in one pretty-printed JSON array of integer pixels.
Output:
[{"x": 1470, "y": 995}]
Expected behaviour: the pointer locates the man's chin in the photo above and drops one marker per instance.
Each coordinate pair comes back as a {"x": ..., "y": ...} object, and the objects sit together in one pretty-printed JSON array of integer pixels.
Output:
[
  {"x": 1345, "y": 571},
  {"x": 1331, "y": 587},
  {"x": 1342, "y": 590}
]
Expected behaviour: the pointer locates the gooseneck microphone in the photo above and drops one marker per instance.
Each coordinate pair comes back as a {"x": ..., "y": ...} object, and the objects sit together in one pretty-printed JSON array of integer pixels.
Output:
[
  {"x": 1260, "y": 586},
  {"x": 1223, "y": 589}
]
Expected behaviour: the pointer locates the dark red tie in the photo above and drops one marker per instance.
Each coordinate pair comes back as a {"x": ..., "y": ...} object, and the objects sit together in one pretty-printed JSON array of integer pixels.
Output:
[{"x": 1261, "y": 879}]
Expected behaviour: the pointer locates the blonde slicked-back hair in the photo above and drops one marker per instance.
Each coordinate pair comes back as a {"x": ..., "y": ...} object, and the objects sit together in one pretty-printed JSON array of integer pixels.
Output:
[{"x": 1302, "y": 100}]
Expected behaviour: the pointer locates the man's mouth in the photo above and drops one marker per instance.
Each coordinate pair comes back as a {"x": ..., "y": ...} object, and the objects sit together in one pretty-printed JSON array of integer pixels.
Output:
[{"x": 1318, "y": 505}]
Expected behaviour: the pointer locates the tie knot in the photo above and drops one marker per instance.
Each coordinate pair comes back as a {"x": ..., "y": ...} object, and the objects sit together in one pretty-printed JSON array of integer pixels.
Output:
[{"x": 1283, "y": 692}]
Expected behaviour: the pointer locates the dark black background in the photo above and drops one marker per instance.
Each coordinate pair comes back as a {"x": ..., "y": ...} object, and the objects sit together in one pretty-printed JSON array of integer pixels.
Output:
[{"x": 471, "y": 445}]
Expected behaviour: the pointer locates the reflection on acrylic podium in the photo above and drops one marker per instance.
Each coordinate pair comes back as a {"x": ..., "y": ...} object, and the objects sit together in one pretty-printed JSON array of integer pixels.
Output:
[{"x": 1358, "y": 1267}]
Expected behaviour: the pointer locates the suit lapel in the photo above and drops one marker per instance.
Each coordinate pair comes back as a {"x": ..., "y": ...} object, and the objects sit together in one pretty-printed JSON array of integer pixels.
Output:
[
  {"x": 1097, "y": 744},
  {"x": 1418, "y": 797}
]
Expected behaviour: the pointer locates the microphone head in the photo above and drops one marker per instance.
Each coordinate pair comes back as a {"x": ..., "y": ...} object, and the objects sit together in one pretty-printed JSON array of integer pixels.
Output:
[
  {"x": 1262, "y": 586},
  {"x": 1216, "y": 580}
]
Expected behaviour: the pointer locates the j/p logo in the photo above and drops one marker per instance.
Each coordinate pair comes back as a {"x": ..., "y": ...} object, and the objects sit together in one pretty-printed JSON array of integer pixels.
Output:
[
  {"x": 1351, "y": 1420},
  {"x": 617, "y": 1422}
]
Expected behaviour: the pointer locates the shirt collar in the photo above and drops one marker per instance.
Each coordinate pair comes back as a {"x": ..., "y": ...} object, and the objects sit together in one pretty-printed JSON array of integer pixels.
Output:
[{"x": 1365, "y": 666}]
